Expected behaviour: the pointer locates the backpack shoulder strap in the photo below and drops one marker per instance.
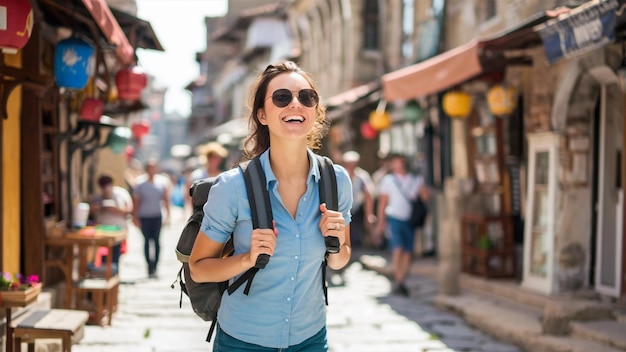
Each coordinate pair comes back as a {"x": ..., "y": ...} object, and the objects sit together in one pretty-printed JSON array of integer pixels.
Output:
[
  {"x": 258, "y": 196},
  {"x": 328, "y": 195},
  {"x": 328, "y": 183},
  {"x": 260, "y": 209}
]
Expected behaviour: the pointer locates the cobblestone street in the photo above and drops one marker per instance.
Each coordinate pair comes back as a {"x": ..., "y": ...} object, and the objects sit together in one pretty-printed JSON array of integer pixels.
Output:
[{"x": 362, "y": 315}]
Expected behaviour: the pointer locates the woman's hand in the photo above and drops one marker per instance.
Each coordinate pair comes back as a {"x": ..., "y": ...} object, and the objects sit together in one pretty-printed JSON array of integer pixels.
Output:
[
  {"x": 263, "y": 241},
  {"x": 332, "y": 223}
]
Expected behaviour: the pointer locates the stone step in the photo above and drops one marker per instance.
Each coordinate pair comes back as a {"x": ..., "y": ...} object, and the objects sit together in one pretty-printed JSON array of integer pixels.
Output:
[
  {"x": 608, "y": 332},
  {"x": 514, "y": 322}
]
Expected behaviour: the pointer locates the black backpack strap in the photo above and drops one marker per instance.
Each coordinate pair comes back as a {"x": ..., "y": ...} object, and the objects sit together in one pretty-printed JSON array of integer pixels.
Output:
[
  {"x": 328, "y": 195},
  {"x": 211, "y": 330},
  {"x": 328, "y": 183},
  {"x": 260, "y": 209}
]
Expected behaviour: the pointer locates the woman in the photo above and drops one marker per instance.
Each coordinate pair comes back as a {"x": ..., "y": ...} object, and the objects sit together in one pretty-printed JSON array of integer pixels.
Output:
[{"x": 285, "y": 308}]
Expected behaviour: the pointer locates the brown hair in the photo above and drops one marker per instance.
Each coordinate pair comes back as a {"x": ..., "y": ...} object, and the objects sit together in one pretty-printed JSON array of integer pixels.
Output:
[{"x": 259, "y": 139}]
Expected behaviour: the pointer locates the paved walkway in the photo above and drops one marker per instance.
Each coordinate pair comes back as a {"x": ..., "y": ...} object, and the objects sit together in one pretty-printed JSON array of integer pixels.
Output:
[{"x": 362, "y": 315}]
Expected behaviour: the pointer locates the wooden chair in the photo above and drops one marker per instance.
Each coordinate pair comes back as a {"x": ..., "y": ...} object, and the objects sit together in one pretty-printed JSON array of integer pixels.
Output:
[{"x": 103, "y": 300}]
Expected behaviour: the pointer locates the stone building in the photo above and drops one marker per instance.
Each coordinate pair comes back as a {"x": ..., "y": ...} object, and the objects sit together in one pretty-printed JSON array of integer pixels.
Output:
[{"x": 546, "y": 176}]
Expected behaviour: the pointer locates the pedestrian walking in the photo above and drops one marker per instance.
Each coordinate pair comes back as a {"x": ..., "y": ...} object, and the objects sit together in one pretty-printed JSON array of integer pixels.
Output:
[
  {"x": 395, "y": 192},
  {"x": 285, "y": 308},
  {"x": 151, "y": 197},
  {"x": 363, "y": 216}
]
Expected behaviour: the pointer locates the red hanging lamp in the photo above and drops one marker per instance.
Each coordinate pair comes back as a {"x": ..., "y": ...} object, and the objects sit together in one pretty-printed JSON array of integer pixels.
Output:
[
  {"x": 130, "y": 82},
  {"x": 18, "y": 19}
]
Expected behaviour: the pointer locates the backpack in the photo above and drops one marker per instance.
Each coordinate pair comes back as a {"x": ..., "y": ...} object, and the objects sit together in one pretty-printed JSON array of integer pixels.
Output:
[{"x": 206, "y": 297}]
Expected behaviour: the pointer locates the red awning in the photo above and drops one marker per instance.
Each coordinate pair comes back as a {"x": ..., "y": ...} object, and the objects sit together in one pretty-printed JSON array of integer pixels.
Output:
[
  {"x": 433, "y": 75},
  {"x": 107, "y": 23},
  {"x": 462, "y": 63}
]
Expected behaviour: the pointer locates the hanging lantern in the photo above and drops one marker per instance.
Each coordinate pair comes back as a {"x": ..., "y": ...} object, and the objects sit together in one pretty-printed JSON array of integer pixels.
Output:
[
  {"x": 72, "y": 63},
  {"x": 140, "y": 129},
  {"x": 412, "y": 111},
  {"x": 118, "y": 139},
  {"x": 502, "y": 99},
  {"x": 17, "y": 25},
  {"x": 379, "y": 119},
  {"x": 130, "y": 82},
  {"x": 367, "y": 131},
  {"x": 457, "y": 104},
  {"x": 91, "y": 110},
  {"x": 129, "y": 151}
]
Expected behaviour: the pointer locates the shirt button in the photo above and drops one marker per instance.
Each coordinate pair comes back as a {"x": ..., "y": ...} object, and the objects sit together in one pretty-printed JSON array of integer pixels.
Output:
[
  {"x": 292, "y": 278},
  {"x": 297, "y": 235},
  {"x": 304, "y": 199},
  {"x": 286, "y": 320},
  {"x": 296, "y": 257},
  {"x": 288, "y": 299}
]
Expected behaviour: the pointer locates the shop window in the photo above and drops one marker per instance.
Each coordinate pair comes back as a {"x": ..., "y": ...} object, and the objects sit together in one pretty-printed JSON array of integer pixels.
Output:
[
  {"x": 486, "y": 155},
  {"x": 370, "y": 25}
]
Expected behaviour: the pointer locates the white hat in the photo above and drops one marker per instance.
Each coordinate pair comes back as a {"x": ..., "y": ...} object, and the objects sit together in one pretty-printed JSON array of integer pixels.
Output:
[{"x": 351, "y": 157}]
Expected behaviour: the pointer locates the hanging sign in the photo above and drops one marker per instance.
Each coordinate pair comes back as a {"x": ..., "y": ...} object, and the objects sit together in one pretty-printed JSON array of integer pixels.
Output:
[{"x": 587, "y": 28}]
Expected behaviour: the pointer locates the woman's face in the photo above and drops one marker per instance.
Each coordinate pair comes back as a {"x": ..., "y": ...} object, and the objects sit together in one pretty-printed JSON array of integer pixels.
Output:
[{"x": 295, "y": 120}]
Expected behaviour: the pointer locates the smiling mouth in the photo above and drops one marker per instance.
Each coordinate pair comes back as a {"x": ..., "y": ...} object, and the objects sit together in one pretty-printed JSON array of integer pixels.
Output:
[{"x": 294, "y": 119}]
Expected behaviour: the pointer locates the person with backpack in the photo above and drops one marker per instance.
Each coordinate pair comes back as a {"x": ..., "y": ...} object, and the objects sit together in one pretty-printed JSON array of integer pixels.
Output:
[
  {"x": 396, "y": 192},
  {"x": 285, "y": 308}
]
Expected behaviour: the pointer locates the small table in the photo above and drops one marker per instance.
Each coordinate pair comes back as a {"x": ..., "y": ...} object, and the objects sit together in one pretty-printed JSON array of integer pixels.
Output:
[
  {"x": 71, "y": 239},
  {"x": 8, "y": 308}
]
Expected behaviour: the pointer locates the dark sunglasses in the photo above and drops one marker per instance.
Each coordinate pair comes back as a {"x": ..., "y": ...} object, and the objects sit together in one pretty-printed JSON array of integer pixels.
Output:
[{"x": 306, "y": 97}]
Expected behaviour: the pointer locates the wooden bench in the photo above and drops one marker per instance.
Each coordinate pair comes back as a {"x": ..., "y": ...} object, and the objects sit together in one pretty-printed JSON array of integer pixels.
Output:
[{"x": 65, "y": 324}]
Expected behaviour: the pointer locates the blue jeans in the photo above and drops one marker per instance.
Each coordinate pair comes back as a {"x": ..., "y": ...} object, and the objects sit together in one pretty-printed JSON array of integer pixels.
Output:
[{"x": 226, "y": 343}]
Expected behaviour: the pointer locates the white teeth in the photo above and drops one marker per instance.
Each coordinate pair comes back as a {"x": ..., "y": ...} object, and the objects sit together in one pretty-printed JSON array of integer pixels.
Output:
[{"x": 293, "y": 119}]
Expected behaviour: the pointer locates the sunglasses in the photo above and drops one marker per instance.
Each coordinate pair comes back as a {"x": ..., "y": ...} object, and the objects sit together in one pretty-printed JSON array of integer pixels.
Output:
[{"x": 306, "y": 97}]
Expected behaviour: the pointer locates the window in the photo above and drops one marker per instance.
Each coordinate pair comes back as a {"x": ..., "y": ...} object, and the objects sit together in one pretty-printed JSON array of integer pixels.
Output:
[
  {"x": 490, "y": 9},
  {"x": 370, "y": 25},
  {"x": 408, "y": 23}
]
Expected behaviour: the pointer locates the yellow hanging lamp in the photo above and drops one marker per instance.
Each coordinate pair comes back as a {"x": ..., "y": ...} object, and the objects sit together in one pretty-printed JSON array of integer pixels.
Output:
[
  {"x": 502, "y": 99},
  {"x": 379, "y": 119},
  {"x": 457, "y": 104}
]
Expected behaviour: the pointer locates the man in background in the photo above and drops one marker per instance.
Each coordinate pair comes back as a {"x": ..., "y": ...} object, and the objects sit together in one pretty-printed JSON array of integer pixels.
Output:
[{"x": 363, "y": 217}]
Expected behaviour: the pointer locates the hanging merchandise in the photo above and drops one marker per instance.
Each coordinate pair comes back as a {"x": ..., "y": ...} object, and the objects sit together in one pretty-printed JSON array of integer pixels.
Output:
[
  {"x": 16, "y": 19},
  {"x": 118, "y": 139},
  {"x": 72, "y": 63},
  {"x": 130, "y": 82},
  {"x": 91, "y": 110},
  {"x": 140, "y": 129},
  {"x": 502, "y": 99},
  {"x": 457, "y": 104},
  {"x": 379, "y": 119},
  {"x": 367, "y": 131},
  {"x": 412, "y": 111}
]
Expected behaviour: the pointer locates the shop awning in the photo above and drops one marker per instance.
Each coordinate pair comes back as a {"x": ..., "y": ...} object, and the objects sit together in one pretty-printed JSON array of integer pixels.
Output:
[
  {"x": 462, "y": 63},
  {"x": 80, "y": 15},
  {"x": 352, "y": 99},
  {"x": 101, "y": 13},
  {"x": 139, "y": 32}
]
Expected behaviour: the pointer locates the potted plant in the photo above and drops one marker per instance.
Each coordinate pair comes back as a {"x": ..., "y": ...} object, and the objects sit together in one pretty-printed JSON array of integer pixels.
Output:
[{"x": 18, "y": 289}]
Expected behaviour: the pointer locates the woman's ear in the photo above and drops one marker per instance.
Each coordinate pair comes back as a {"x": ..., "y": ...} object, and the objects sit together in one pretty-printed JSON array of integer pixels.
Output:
[{"x": 261, "y": 115}]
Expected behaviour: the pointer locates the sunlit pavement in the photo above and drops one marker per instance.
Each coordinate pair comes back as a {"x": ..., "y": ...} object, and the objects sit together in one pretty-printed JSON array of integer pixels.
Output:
[{"x": 362, "y": 315}]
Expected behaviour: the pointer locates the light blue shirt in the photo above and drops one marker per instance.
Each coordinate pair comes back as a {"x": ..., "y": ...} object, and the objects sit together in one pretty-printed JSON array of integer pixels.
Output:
[{"x": 285, "y": 305}]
